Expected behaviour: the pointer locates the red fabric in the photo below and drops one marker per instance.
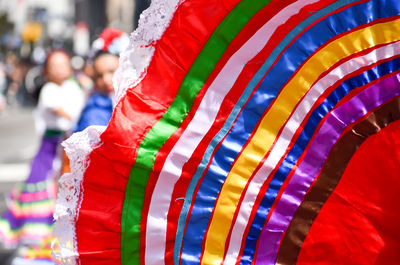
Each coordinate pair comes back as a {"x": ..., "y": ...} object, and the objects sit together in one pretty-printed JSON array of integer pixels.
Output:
[
  {"x": 249, "y": 70},
  {"x": 109, "y": 35},
  {"x": 191, "y": 8},
  {"x": 229, "y": 102},
  {"x": 359, "y": 223},
  {"x": 106, "y": 178}
]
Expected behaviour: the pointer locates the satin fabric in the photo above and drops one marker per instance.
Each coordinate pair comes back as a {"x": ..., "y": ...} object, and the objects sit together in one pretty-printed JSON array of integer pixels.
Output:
[
  {"x": 269, "y": 127},
  {"x": 174, "y": 116},
  {"x": 203, "y": 119},
  {"x": 152, "y": 117},
  {"x": 331, "y": 174},
  {"x": 189, "y": 168},
  {"x": 314, "y": 159},
  {"x": 303, "y": 139},
  {"x": 291, "y": 131},
  {"x": 219, "y": 165},
  {"x": 137, "y": 112},
  {"x": 232, "y": 118},
  {"x": 361, "y": 211}
]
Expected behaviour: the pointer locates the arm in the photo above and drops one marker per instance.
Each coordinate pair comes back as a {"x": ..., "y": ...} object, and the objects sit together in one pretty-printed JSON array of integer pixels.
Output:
[
  {"x": 60, "y": 112},
  {"x": 49, "y": 100}
]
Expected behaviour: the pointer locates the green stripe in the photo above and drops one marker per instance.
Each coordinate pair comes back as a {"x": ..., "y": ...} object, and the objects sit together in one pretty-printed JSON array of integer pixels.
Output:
[
  {"x": 49, "y": 133},
  {"x": 34, "y": 187},
  {"x": 173, "y": 117}
]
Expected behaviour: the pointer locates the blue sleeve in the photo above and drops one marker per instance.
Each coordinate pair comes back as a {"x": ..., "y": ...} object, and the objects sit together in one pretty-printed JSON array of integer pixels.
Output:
[{"x": 93, "y": 116}]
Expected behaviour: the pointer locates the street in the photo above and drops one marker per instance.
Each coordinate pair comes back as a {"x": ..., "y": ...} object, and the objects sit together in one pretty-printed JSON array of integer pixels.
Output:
[{"x": 18, "y": 144}]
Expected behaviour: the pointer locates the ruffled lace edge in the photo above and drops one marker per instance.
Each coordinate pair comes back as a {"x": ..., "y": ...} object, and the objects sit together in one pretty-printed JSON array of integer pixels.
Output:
[
  {"x": 77, "y": 147},
  {"x": 135, "y": 59},
  {"x": 132, "y": 69}
]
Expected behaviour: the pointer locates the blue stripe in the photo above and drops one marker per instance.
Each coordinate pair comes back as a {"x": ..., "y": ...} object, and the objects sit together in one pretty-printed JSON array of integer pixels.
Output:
[
  {"x": 232, "y": 145},
  {"x": 302, "y": 142}
]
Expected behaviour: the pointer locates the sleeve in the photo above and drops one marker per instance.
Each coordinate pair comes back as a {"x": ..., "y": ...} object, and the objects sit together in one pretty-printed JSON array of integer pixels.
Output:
[
  {"x": 77, "y": 101},
  {"x": 92, "y": 115}
]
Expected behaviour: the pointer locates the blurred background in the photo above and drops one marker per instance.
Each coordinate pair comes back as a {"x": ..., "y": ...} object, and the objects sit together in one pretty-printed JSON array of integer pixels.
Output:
[{"x": 29, "y": 29}]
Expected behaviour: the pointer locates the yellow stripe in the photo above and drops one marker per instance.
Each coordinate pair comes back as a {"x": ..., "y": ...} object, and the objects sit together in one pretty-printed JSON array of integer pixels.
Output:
[
  {"x": 270, "y": 125},
  {"x": 32, "y": 208}
]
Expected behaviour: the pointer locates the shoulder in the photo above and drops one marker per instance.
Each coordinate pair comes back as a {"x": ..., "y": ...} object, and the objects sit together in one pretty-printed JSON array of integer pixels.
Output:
[
  {"x": 72, "y": 85},
  {"x": 49, "y": 86},
  {"x": 49, "y": 89},
  {"x": 97, "y": 99}
]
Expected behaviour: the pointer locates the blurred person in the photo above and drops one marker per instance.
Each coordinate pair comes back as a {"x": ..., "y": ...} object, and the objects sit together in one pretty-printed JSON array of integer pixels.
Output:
[
  {"x": 3, "y": 79},
  {"x": 81, "y": 74},
  {"x": 10, "y": 62},
  {"x": 105, "y": 60},
  {"x": 13, "y": 76},
  {"x": 16, "y": 69},
  {"x": 33, "y": 83},
  {"x": 29, "y": 218},
  {"x": 3, "y": 83}
]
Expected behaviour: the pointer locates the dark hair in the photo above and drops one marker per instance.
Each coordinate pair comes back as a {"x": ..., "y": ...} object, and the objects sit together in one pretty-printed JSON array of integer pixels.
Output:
[{"x": 96, "y": 55}]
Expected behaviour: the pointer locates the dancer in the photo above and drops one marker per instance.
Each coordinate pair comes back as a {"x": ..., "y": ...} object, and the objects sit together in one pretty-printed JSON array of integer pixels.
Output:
[{"x": 29, "y": 217}]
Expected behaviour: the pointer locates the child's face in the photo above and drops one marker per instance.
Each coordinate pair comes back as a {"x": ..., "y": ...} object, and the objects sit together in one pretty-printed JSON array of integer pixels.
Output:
[
  {"x": 104, "y": 67},
  {"x": 58, "y": 68}
]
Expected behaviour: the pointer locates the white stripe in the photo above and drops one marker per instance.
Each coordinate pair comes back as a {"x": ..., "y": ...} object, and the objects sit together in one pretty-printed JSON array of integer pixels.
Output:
[
  {"x": 285, "y": 138},
  {"x": 197, "y": 129}
]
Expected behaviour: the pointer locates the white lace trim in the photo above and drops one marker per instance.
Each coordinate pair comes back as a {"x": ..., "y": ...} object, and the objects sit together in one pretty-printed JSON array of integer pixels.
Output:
[
  {"x": 77, "y": 147},
  {"x": 136, "y": 58},
  {"x": 132, "y": 68}
]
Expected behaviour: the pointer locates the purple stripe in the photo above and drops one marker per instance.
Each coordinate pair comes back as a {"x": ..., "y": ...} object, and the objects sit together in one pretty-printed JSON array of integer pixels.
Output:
[
  {"x": 42, "y": 164},
  {"x": 316, "y": 156},
  {"x": 16, "y": 223}
]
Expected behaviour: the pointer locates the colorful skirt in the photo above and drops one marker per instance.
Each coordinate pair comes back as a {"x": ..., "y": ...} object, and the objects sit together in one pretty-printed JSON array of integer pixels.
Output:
[
  {"x": 29, "y": 217},
  {"x": 256, "y": 132}
]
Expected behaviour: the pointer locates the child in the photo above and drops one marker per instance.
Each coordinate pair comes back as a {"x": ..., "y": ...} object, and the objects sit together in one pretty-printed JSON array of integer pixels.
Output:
[
  {"x": 99, "y": 106},
  {"x": 29, "y": 218}
]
